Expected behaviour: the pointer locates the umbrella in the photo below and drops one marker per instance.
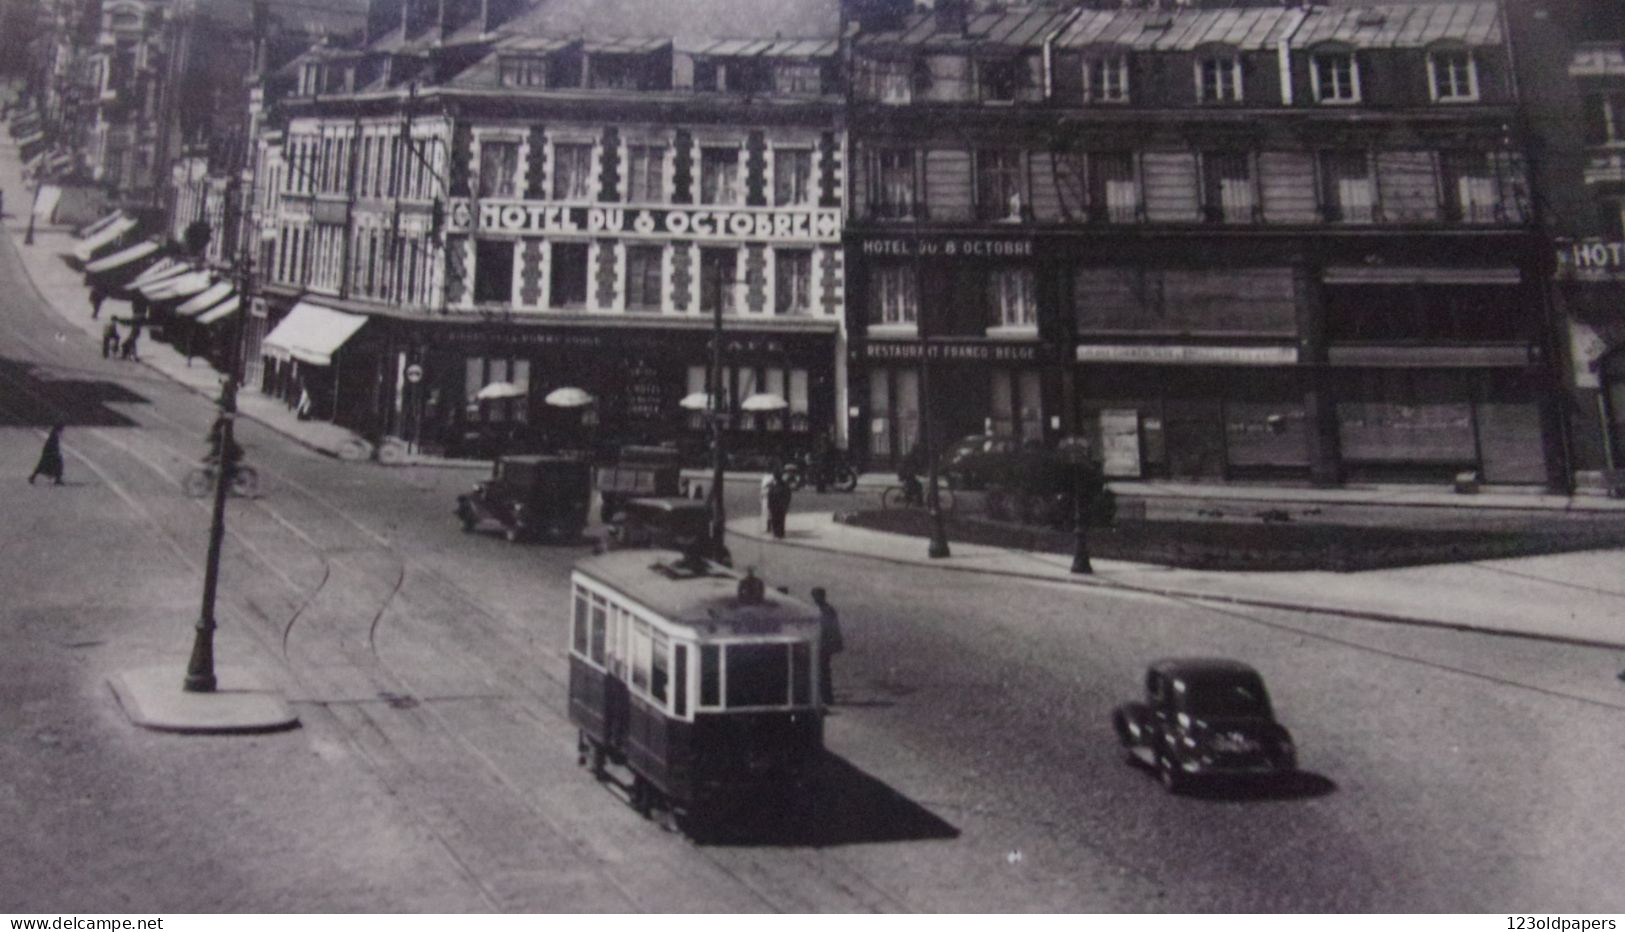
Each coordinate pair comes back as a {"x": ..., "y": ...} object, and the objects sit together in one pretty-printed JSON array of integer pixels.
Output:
[
  {"x": 695, "y": 401},
  {"x": 764, "y": 401},
  {"x": 498, "y": 390},
  {"x": 568, "y": 398}
]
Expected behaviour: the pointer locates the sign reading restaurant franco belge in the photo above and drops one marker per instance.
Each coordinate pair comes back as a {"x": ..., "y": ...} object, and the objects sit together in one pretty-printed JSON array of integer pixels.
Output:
[
  {"x": 766, "y": 224},
  {"x": 942, "y": 351}
]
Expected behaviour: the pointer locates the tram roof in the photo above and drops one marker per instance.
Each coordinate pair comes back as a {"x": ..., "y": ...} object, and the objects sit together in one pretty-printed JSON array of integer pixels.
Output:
[{"x": 707, "y": 601}]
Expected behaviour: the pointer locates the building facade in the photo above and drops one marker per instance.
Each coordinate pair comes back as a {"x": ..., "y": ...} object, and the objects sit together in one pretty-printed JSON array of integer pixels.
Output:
[
  {"x": 1284, "y": 242},
  {"x": 564, "y": 212}
]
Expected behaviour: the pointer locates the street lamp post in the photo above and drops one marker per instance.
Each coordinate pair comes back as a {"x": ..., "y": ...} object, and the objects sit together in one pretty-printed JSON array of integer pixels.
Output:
[
  {"x": 719, "y": 515},
  {"x": 938, "y": 548},
  {"x": 28, "y": 237},
  {"x": 200, "y": 668},
  {"x": 1080, "y": 521}
]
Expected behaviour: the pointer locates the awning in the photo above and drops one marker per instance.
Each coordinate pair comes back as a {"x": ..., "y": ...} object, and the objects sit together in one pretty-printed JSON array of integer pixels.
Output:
[
  {"x": 58, "y": 162},
  {"x": 205, "y": 299},
  {"x": 219, "y": 312},
  {"x": 1419, "y": 275},
  {"x": 162, "y": 269},
  {"x": 87, "y": 247},
  {"x": 123, "y": 257},
  {"x": 176, "y": 287},
  {"x": 311, "y": 334},
  {"x": 101, "y": 224},
  {"x": 30, "y": 139}
]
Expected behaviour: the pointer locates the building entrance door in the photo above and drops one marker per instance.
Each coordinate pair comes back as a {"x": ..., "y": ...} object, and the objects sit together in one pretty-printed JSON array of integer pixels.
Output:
[{"x": 1193, "y": 429}]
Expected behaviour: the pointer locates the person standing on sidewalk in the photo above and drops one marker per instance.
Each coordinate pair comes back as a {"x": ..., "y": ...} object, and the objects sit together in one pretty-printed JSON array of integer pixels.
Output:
[
  {"x": 50, "y": 458},
  {"x": 778, "y": 504},
  {"x": 830, "y": 643},
  {"x": 129, "y": 343},
  {"x": 110, "y": 339},
  {"x": 97, "y": 296}
]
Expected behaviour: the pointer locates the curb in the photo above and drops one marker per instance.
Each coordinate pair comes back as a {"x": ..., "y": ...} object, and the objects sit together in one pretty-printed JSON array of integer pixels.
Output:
[{"x": 1199, "y": 596}]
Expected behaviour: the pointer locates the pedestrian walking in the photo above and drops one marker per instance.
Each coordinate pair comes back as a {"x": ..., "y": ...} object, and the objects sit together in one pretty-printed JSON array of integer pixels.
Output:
[
  {"x": 50, "y": 458},
  {"x": 778, "y": 504},
  {"x": 830, "y": 643},
  {"x": 301, "y": 411},
  {"x": 767, "y": 514},
  {"x": 128, "y": 352},
  {"x": 97, "y": 296},
  {"x": 110, "y": 339}
]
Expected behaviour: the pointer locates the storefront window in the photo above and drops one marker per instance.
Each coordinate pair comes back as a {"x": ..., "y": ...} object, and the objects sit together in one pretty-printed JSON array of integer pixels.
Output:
[
  {"x": 894, "y": 411},
  {"x": 1401, "y": 416},
  {"x": 1266, "y": 434}
]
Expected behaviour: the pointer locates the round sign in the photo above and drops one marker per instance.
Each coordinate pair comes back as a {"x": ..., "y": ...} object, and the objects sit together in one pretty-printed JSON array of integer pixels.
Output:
[{"x": 414, "y": 373}]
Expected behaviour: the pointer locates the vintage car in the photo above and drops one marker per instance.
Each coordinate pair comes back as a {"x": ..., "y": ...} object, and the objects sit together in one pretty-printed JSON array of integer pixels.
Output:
[
  {"x": 1204, "y": 718},
  {"x": 531, "y": 496},
  {"x": 680, "y": 524},
  {"x": 638, "y": 472},
  {"x": 977, "y": 460}
]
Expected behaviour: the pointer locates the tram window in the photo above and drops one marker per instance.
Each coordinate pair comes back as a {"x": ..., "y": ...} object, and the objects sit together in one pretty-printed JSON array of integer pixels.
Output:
[
  {"x": 680, "y": 661},
  {"x": 659, "y": 668},
  {"x": 758, "y": 674},
  {"x": 710, "y": 675},
  {"x": 800, "y": 674},
  {"x": 640, "y": 655},
  {"x": 617, "y": 640},
  {"x": 598, "y": 613},
  {"x": 581, "y": 623}
]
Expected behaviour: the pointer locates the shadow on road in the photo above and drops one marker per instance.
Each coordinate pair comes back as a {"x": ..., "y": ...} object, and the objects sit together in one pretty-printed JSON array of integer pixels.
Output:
[
  {"x": 1300, "y": 784},
  {"x": 848, "y": 807},
  {"x": 30, "y": 397}
]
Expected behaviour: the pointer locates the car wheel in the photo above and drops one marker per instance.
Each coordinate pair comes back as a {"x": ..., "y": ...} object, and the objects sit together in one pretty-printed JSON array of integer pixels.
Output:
[{"x": 1173, "y": 779}]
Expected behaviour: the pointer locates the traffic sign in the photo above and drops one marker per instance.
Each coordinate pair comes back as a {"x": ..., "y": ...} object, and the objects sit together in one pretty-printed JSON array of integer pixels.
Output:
[{"x": 414, "y": 373}]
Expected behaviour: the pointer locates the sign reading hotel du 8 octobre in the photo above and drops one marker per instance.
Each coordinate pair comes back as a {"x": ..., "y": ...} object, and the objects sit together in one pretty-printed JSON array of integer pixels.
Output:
[{"x": 535, "y": 218}]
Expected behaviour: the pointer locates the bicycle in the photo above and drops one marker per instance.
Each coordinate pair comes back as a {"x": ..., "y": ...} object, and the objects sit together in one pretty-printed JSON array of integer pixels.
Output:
[
  {"x": 898, "y": 496},
  {"x": 199, "y": 483},
  {"x": 838, "y": 475}
]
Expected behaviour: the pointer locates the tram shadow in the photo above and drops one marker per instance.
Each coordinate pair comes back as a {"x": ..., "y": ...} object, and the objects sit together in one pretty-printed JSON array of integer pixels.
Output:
[
  {"x": 32, "y": 395},
  {"x": 846, "y": 807}
]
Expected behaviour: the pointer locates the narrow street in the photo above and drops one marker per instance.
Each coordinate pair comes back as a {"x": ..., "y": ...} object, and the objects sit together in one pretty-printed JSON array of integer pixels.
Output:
[{"x": 973, "y": 766}]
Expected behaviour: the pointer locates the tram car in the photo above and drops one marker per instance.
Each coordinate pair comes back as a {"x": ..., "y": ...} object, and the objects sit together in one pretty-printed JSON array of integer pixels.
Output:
[{"x": 698, "y": 681}]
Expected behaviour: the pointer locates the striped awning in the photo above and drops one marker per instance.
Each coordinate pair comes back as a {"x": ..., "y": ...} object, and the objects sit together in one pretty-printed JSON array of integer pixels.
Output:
[
  {"x": 219, "y": 312},
  {"x": 87, "y": 247},
  {"x": 31, "y": 139},
  {"x": 177, "y": 287},
  {"x": 162, "y": 269},
  {"x": 101, "y": 224},
  {"x": 206, "y": 299},
  {"x": 123, "y": 257}
]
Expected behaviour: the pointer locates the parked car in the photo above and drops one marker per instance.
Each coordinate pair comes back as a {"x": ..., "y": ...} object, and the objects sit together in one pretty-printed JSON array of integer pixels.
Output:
[
  {"x": 638, "y": 472},
  {"x": 977, "y": 460},
  {"x": 1204, "y": 718},
  {"x": 531, "y": 496},
  {"x": 667, "y": 523}
]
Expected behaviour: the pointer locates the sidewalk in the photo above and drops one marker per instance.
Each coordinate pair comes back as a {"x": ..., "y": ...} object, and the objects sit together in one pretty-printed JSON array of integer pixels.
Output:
[{"x": 1574, "y": 598}]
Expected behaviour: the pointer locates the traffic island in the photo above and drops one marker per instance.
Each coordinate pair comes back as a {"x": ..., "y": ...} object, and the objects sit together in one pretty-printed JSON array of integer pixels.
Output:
[
  {"x": 1271, "y": 543},
  {"x": 153, "y": 698}
]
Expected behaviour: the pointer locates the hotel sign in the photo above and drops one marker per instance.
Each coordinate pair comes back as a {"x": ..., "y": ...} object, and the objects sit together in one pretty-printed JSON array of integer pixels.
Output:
[
  {"x": 1591, "y": 260},
  {"x": 706, "y": 224},
  {"x": 1189, "y": 355},
  {"x": 958, "y": 247}
]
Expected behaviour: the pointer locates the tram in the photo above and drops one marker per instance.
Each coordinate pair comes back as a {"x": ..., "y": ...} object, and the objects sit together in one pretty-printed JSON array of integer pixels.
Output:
[{"x": 696, "y": 679}]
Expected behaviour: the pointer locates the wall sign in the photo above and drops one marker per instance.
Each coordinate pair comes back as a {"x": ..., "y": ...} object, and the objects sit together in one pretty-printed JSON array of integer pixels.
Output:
[
  {"x": 1190, "y": 355},
  {"x": 936, "y": 351},
  {"x": 706, "y": 224},
  {"x": 957, "y": 246},
  {"x": 1591, "y": 260}
]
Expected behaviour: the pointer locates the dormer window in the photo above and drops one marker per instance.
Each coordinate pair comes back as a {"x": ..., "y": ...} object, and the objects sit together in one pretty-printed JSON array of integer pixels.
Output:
[
  {"x": 1105, "y": 79},
  {"x": 798, "y": 78},
  {"x": 1335, "y": 77},
  {"x": 311, "y": 79},
  {"x": 1453, "y": 76},
  {"x": 1218, "y": 78},
  {"x": 889, "y": 82},
  {"x": 522, "y": 71}
]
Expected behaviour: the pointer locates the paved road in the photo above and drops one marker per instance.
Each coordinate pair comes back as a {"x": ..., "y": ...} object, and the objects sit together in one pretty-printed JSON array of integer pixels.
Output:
[{"x": 972, "y": 763}]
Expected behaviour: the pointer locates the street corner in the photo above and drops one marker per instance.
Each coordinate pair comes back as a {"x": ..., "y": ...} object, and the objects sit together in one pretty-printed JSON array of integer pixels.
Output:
[{"x": 154, "y": 698}]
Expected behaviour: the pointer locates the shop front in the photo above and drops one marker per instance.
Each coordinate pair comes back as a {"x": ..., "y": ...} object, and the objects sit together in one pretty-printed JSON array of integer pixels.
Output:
[{"x": 634, "y": 380}]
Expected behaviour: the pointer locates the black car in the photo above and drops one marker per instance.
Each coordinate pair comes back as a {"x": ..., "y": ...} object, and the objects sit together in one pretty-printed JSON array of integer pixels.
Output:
[
  {"x": 530, "y": 496},
  {"x": 977, "y": 460},
  {"x": 1202, "y": 718}
]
